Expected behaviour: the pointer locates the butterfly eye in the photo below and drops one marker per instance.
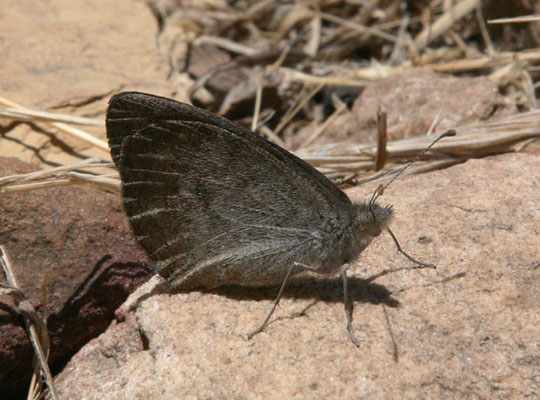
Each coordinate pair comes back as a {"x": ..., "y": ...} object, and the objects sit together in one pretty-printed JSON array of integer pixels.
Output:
[{"x": 329, "y": 225}]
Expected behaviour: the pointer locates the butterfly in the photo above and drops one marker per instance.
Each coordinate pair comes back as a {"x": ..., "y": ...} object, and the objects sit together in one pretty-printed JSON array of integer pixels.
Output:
[{"x": 213, "y": 203}]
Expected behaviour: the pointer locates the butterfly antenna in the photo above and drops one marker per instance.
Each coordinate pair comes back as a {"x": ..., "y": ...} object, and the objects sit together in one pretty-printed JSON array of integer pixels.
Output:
[
  {"x": 449, "y": 132},
  {"x": 379, "y": 191}
]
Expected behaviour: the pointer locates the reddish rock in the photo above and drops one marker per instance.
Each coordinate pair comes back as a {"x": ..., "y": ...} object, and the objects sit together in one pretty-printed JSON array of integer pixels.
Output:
[{"x": 73, "y": 248}]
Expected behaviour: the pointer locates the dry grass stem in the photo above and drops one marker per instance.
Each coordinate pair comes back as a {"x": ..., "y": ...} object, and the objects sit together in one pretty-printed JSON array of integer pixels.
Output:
[
  {"x": 292, "y": 112},
  {"x": 78, "y": 133},
  {"x": 318, "y": 132},
  {"x": 497, "y": 60},
  {"x": 360, "y": 77},
  {"x": 507, "y": 134},
  {"x": 62, "y": 176},
  {"x": 257, "y": 109},
  {"x": 312, "y": 46},
  {"x": 37, "y": 330},
  {"x": 227, "y": 44},
  {"x": 107, "y": 183},
  {"x": 515, "y": 20},
  {"x": 270, "y": 134},
  {"x": 445, "y": 22},
  {"x": 475, "y": 140},
  {"x": 490, "y": 48},
  {"x": 358, "y": 27},
  {"x": 92, "y": 162},
  {"x": 322, "y": 80},
  {"x": 43, "y": 116}
]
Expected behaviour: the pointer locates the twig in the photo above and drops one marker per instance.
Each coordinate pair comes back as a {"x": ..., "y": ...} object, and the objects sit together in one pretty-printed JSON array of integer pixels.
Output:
[{"x": 380, "y": 158}]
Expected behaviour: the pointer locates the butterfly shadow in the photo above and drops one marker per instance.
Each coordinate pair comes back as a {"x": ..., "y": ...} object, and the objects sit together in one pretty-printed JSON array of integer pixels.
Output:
[
  {"x": 318, "y": 289},
  {"x": 303, "y": 287}
]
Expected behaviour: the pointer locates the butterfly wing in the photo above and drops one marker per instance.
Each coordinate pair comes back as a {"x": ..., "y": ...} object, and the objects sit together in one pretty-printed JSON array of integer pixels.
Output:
[{"x": 213, "y": 203}]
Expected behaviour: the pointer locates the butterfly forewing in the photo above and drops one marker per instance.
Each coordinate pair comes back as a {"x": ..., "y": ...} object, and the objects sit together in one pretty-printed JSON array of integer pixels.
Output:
[{"x": 204, "y": 195}]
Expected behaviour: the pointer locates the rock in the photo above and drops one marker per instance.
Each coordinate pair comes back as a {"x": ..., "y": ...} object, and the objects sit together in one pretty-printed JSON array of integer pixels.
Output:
[
  {"x": 469, "y": 329},
  {"x": 412, "y": 101},
  {"x": 69, "y": 57},
  {"x": 73, "y": 248}
]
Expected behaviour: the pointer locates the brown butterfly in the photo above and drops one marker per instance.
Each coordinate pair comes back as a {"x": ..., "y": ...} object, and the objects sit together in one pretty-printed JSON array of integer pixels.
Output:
[{"x": 215, "y": 204}]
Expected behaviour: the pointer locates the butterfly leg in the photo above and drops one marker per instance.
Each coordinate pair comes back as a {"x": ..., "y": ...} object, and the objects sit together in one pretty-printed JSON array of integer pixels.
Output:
[
  {"x": 347, "y": 304},
  {"x": 276, "y": 302},
  {"x": 414, "y": 260}
]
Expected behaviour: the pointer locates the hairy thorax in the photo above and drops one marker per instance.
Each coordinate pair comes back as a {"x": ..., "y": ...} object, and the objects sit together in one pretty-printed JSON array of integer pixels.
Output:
[{"x": 369, "y": 221}]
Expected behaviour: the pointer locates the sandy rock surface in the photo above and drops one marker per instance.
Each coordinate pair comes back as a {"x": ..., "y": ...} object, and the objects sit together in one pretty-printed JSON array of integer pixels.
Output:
[
  {"x": 69, "y": 57},
  {"x": 470, "y": 329}
]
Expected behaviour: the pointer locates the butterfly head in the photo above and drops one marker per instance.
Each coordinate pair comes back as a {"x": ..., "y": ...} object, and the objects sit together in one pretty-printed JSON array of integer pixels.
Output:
[{"x": 372, "y": 219}]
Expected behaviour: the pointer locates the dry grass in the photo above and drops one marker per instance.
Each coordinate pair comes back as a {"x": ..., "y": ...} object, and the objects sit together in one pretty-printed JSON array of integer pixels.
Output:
[
  {"x": 35, "y": 326},
  {"x": 305, "y": 44},
  {"x": 508, "y": 134},
  {"x": 19, "y": 113}
]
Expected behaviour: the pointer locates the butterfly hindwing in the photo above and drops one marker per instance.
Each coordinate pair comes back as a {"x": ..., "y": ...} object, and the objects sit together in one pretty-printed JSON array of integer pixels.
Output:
[{"x": 204, "y": 195}]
